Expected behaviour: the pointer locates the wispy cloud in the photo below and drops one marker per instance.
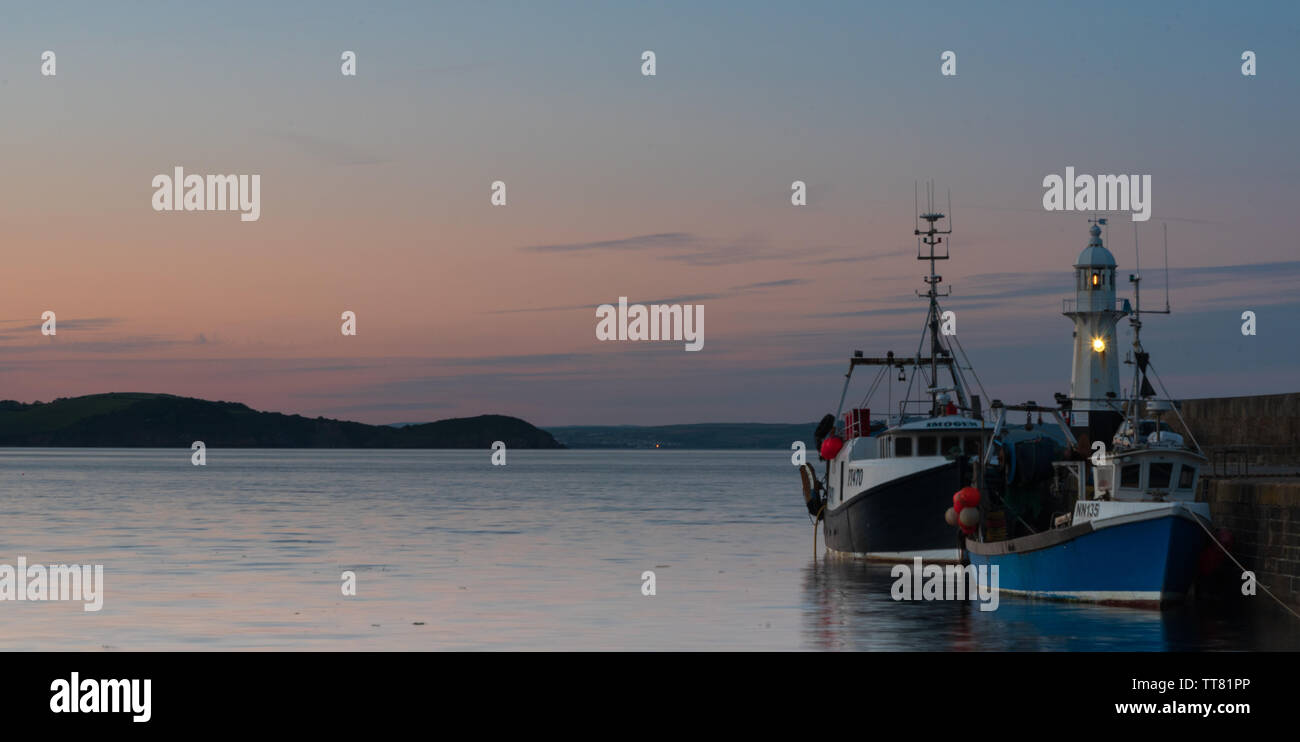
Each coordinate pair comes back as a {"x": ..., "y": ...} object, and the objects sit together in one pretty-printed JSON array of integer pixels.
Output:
[
  {"x": 87, "y": 335},
  {"x": 868, "y": 313},
  {"x": 60, "y": 344},
  {"x": 87, "y": 324},
  {"x": 685, "y": 247},
  {"x": 857, "y": 258},
  {"x": 780, "y": 283},
  {"x": 686, "y": 299},
  {"x": 640, "y": 242}
]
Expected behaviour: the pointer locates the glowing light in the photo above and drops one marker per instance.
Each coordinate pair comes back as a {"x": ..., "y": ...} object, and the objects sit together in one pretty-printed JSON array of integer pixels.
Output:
[{"x": 1098, "y": 344}]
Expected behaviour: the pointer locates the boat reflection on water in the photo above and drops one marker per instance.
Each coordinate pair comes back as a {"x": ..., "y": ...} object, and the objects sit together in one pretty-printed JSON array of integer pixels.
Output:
[{"x": 848, "y": 606}]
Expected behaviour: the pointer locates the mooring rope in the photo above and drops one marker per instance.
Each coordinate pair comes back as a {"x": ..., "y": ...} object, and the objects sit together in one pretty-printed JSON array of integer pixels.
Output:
[
  {"x": 817, "y": 520},
  {"x": 1200, "y": 522}
]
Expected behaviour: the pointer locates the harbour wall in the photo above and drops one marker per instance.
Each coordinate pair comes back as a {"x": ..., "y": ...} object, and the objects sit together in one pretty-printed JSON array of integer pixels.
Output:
[
  {"x": 1263, "y": 516},
  {"x": 1262, "y": 430},
  {"x": 1252, "y": 483}
]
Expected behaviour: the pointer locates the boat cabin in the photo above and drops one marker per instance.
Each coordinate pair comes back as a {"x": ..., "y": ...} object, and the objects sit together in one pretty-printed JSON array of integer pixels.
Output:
[
  {"x": 949, "y": 435},
  {"x": 1151, "y": 474}
]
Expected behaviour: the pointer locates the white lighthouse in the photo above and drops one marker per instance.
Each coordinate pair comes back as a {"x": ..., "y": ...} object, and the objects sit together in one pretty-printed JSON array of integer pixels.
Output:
[{"x": 1094, "y": 383}]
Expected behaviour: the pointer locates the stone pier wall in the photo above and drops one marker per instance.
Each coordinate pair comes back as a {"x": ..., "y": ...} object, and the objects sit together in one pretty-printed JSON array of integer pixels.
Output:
[
  {"x": 1263, "y": 516},
  {"x": 1265, "y": 429}
]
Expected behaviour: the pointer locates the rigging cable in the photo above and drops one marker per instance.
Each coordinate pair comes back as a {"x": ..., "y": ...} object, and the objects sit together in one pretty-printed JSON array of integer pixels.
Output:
[
  {"x": 1174, "y": 406},
  {"x": 971, "y": 367},
  {"x": 1268, "y": 592},
  {"x": 874, "y": 385}
]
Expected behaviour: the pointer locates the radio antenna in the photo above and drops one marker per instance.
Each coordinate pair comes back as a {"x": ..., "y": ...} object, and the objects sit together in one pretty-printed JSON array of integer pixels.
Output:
[
  {"x": 916, "y": 208},
  {"x": 950, "y": 216},
  {"x": 1165, "y": 225},
  {"x": 1137, "y": 255}
]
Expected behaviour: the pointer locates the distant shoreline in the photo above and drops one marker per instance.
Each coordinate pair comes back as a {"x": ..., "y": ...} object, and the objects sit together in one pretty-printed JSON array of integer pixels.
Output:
[{"x": 144, "y": 420}]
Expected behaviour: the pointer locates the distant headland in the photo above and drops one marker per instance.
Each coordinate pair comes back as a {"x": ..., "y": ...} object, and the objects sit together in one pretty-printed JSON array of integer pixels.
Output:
[{"x": 167, "y": 421}]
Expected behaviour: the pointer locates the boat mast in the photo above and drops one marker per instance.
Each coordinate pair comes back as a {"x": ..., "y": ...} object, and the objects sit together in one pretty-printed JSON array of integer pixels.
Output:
[
  {"x": 1135, "y": 394},
  {"x": 932, "y": 237},
  {"x": 940, "y": 354},
  {"x": 1141, "y": 387}
]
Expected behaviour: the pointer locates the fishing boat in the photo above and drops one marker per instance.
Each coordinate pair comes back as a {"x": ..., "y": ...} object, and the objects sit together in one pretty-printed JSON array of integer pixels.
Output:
[
  {"x": 883, "y": 479},
  {"x": 1121, "y": 525}
]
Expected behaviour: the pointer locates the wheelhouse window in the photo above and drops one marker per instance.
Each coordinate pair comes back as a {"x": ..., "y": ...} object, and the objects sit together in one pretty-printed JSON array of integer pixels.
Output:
[
  {"x": 1130, "y": 475},
  {"x": 1160, "y": 475},
  {"x": 903, "y": 446},
  {"x": 1185, "y": 477},
  {"x": 950, "y": 444},
  {"x": 926, "y": 445},
  {"x": 973, "y": 445}
]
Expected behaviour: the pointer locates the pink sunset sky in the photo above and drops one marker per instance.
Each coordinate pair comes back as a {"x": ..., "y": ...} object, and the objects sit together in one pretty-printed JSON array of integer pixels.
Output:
[{"x": 674, "y": 188}]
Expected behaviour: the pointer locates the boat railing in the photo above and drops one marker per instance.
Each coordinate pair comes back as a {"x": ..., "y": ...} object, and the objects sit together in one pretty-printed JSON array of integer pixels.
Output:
[
  {"x": 1069, "y": 306},
  {"x": 913, "y": 409},
  {"x": 1254, "y": 459}
]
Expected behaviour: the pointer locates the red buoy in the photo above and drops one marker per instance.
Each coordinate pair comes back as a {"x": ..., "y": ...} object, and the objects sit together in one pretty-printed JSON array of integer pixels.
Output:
[
  {"x": 969, "y": 496},
  {"x": 1212, "y": 556},
  {"x": 831, "y": 447}
]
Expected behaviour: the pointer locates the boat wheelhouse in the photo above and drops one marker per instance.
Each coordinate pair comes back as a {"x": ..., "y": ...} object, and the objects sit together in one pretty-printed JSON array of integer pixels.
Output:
[{"x": 1155, "y": 464}]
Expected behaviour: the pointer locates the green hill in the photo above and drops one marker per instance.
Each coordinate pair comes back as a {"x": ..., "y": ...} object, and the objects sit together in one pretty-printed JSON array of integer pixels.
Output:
[{"x": 165, "y": 421}]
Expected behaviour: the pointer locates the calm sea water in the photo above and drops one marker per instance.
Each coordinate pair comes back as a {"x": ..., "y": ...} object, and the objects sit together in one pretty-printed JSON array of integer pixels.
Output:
[{"x": 453, "y": 553}]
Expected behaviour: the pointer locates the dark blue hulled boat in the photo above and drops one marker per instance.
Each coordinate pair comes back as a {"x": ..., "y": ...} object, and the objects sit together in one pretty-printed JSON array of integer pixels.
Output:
[{"x": 1128, "y": 553}]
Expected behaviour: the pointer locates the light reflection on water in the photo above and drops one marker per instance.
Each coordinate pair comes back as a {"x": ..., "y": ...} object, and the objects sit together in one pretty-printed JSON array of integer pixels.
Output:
[{"x": 453, "y": 553}]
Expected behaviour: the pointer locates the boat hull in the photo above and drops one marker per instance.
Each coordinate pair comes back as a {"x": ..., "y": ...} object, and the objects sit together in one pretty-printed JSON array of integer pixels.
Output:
[
  {"x": 898, "y": 520},
  {"x": 1145, "y": 560}
]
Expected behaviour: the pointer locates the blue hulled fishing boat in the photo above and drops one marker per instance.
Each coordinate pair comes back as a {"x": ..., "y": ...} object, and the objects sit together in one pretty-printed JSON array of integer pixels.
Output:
[{"x": 1120, "y": 525}]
